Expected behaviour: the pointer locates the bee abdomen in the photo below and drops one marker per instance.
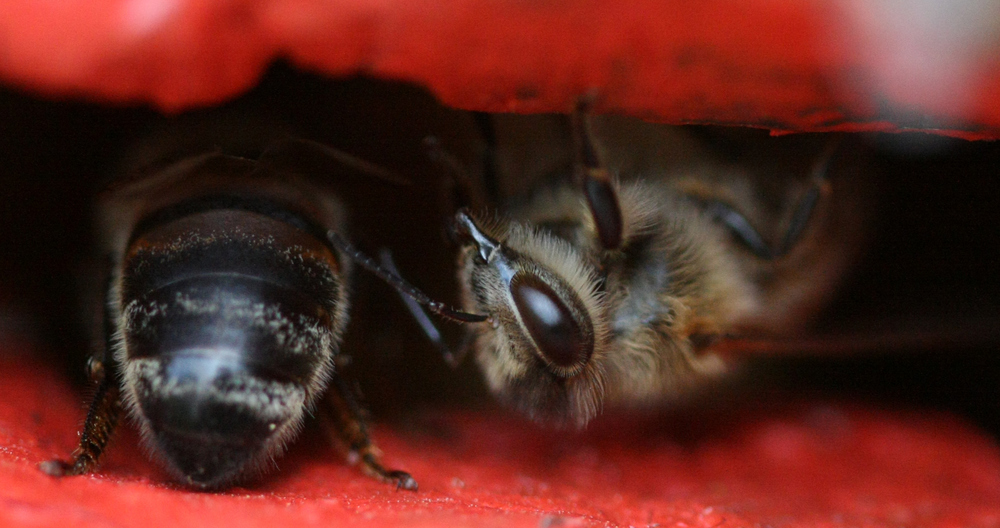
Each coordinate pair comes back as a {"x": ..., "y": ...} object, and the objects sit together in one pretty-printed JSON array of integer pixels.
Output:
[
  {"x": 270, "y": 331},
  {"x": 209, "y": 420},
  {"x": 230, "y": 320}
]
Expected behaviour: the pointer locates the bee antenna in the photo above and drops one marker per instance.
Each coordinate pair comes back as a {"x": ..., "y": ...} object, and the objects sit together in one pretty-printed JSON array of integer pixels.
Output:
[
  {"x": 425, "y": 323},
  {"x": 400, "y": 284},
  {"x": 299, "y": 149},
  {"x": 462, "y": 188}
]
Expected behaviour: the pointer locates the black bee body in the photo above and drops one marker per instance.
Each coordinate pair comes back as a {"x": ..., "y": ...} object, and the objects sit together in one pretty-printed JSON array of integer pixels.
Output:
[
  {"x": 228, "y": 309},
  {"x": 225, "y": 308}
]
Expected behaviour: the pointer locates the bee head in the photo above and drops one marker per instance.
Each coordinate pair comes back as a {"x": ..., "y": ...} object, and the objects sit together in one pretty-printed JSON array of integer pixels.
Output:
[{"x": 542, "y": 351}]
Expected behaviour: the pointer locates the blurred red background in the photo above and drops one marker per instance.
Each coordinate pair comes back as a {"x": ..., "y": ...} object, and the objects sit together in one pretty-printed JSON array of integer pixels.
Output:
[
  {"x": 794, "y": 464},
  {"x": 845, "y": 65}
]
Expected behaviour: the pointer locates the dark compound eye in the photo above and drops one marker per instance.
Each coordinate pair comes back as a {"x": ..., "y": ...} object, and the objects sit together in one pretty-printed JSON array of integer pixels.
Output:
[{"x": 551, "y": 324}]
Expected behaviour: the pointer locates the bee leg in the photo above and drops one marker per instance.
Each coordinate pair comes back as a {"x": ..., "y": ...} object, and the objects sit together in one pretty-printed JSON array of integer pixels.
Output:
[
  {"x": 741, "y": 228},
  {"x": 104, "y": 413},
  {"x": 344, "y": 421},
  {"x": 595, "y": 181},
  {"x": 748, "y": 235},
  {"x": 820, "y": 187},
  {"x": 803, "y": 212}
]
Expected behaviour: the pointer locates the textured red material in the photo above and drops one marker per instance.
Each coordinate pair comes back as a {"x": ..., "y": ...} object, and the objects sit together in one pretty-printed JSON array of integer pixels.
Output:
[
  {"x": 787, "y": 65},
  {"x": 805, "y": 464}
]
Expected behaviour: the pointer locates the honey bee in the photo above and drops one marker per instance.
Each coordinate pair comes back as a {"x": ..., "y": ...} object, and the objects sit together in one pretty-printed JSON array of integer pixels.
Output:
[
  {"x": 618, "y": 284},
  {"x": 223, "y": 313}
]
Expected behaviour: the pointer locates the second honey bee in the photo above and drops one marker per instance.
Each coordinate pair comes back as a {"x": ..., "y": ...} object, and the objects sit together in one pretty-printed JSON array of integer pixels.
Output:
[
  {"x": 616, "y": 284},
  {"x": 223, "y": 313}
]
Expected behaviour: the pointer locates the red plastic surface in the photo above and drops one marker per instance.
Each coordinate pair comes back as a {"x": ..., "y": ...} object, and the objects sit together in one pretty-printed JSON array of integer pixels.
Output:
[
  {"x": 801, "y": 464},
  {"x": 787, "y": 65}
]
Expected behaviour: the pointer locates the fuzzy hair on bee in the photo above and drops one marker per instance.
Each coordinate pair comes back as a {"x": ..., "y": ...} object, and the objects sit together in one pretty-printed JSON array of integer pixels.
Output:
[
  {"x": 224, "y": 312},
  {"x": 633, "y": 352},
  {"x": 611, "y": 281},
  {"x": 633, "y": 321}
]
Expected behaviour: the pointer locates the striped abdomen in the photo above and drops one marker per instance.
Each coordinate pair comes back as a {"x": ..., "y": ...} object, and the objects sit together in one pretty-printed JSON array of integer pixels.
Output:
[{"x": 229, "y": 321}]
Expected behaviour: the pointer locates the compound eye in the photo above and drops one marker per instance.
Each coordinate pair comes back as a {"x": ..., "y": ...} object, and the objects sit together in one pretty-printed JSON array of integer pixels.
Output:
[{"x": 557, "y": 334}]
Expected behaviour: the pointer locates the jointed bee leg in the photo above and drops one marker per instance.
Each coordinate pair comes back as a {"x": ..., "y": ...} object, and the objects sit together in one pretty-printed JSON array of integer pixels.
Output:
[
  {"x": 820, "y": 187},
  {"x": 105, "y": 409},
  {"x": 802, "y": 215},
  {"x": 102, "y": 419},
  {"x": 595, "y": 181},
  {"x": 345, "y": 424},
  {"x": 749, "y": 236},
  {"x": 740, "y": 227}
]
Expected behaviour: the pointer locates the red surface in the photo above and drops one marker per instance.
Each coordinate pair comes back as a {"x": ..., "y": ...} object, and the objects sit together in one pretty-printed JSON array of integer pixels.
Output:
[
  {"x": 781, "y": 64},
  {"x": 786, "y": 65},
  {"x": 802, "y": 464}
]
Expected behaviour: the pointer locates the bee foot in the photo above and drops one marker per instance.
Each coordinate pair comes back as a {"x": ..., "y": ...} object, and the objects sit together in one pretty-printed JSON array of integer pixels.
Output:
[
  {"x": 402, "y": 479},
  {"x": 56, "y": 468}
]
